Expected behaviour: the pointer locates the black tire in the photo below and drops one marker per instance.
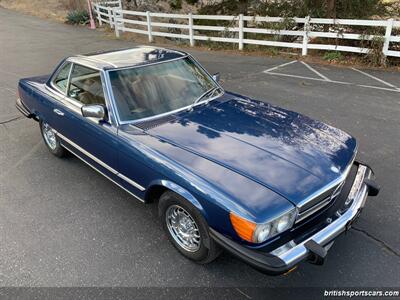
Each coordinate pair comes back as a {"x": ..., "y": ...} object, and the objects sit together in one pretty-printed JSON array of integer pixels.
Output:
[
  {"x": 208, "y": 250},
  {"x": 58, "y": 150}
]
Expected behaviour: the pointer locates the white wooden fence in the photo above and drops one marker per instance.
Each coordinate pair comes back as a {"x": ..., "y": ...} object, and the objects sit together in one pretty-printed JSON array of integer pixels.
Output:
[{"x": 112, "y": 13}]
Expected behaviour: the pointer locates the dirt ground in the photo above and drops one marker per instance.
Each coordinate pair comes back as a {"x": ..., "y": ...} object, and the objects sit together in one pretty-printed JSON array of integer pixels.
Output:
[
  {"x": 46, "y": 9},
  {"x": 57, "y": 10}
]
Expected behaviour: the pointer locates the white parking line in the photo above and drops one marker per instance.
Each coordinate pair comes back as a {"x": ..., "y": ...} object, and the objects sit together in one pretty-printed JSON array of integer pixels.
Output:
[
  {"x": 10, "y": 90},
  {"x": 280, "y": 66},
  {"x": 376, "y": 78},
  {"x": 323, "y": 78},
  {"x": 308, "y": 78},
  {"x": 4, "y": 88},
  {"x": 379, "y": 88},
  {"x": 334, "y": 81},
  {"x": 315, "y": 71}
]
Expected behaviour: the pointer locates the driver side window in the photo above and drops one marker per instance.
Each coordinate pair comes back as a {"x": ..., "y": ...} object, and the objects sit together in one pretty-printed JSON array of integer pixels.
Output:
[{"x": 85, "y": 86}]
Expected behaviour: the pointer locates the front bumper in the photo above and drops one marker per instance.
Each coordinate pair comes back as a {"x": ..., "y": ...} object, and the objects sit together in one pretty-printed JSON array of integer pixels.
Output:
[{"x": 315, "y": 247}]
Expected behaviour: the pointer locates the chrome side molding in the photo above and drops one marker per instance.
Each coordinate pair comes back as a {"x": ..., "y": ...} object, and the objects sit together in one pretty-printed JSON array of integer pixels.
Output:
[
  {"x": 100, "y": 162},
  {"x": 94, "y": 168}
]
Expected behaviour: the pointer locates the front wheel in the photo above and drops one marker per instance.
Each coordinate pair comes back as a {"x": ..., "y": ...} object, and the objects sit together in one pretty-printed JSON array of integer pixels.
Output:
[
  {"x": 186, "y": 228},
  {"x": 51, "y": 140}
]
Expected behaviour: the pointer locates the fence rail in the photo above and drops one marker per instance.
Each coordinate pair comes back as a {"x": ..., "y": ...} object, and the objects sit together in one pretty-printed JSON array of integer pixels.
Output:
[{"x": 112, "y": 13}]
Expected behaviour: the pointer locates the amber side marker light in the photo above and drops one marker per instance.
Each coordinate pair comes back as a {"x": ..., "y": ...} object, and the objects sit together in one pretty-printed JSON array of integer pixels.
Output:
[
  {"x": 244, "y": 228},
  {"x": 290, "y": 271}
]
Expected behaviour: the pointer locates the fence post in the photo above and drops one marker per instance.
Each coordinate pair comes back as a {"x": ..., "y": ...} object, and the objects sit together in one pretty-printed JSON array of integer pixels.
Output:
[
  {"x": 241, "y": 32},
  {"x": 305, "y": 36},
  {"x": 116, "y": 22},
  {"x": 388, "y": 34},
  {"x": 110, "y": 17},
  {"x": 120, "y": 4},
  {"x": 191, "y": 37},
  {"x": 98, "y": 15},
  {"x": 90, "y": 10},
  {"x": 149, "y": 26}
]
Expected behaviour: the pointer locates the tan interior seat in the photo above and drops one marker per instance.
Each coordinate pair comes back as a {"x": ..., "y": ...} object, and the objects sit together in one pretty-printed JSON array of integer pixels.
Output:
[{"x": 93, "y": 91}]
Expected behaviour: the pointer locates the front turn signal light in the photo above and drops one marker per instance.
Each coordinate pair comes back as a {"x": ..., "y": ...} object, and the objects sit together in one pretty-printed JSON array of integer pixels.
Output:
[{"x": 244, "y": 228}]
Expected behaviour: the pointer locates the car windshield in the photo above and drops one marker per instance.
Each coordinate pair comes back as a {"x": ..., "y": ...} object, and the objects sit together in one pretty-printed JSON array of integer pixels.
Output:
[{"x": 142, "y": 92}]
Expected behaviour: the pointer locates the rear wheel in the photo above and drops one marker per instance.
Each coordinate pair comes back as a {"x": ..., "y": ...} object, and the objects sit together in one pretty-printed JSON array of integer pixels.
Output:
[
  {"x": 51, "y": 140},
  {"x": 186, "y": 228}
]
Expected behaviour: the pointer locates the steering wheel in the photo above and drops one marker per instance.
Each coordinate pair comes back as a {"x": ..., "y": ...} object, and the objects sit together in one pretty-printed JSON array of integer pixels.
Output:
[{"x": 75, "y": 91}]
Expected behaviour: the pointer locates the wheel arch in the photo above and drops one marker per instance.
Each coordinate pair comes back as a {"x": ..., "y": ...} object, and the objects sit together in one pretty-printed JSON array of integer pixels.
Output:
[
  {"x": 40, "y": 117},
  {"x": 158, "y": 187}
]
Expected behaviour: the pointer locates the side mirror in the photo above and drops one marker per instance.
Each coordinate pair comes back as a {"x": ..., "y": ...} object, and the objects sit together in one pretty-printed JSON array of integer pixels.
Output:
[
  {"x": 216, "y": 77},
  {"x": 94, "y": 111}
]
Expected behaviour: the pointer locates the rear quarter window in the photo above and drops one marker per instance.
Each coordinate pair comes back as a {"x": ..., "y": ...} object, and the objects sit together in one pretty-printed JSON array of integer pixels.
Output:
[{"x": 60, "y": 80}]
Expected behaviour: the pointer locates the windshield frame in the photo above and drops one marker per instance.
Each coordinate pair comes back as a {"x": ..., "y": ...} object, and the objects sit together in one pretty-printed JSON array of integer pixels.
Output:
[{"x": 132, "y": 122}]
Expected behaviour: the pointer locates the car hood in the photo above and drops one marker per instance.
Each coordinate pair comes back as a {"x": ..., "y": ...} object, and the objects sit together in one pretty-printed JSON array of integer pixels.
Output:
[{"x": 287, "y": 152}]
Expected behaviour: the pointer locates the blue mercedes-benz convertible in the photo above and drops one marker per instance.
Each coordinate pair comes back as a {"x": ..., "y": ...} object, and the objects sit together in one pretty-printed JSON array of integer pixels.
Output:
[{"x": 269, "y": 185}]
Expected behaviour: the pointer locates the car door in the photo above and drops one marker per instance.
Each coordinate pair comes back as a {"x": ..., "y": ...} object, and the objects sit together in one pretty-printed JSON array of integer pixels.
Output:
[
  {"x": 93, "y": 140},
  {"x": 52, "y": 94}
]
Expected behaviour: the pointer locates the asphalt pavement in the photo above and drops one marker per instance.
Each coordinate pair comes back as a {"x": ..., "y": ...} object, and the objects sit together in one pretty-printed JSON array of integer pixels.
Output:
[{"x": 63, "y": 224}]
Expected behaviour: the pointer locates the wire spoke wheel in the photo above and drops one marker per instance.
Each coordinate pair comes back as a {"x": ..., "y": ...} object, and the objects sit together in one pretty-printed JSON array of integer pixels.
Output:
[
  {"x": 49, "y": 136},
  {"x": 183, "y": 228}
]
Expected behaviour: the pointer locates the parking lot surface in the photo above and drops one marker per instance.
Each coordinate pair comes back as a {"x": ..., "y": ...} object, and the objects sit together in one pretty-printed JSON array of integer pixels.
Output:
[{"x": 63, "y": 224}]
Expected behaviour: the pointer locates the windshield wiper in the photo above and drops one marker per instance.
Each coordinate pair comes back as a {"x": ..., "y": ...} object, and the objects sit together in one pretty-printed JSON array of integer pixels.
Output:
[{"x": 210, "y": 93}]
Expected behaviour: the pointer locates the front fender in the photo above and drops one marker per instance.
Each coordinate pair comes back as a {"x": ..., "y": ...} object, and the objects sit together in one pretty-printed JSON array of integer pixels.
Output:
[{"x": 180, "y": 191}]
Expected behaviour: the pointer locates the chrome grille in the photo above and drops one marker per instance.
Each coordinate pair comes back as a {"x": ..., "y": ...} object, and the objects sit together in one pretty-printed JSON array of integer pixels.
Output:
[{"x": 319, "y": 202}]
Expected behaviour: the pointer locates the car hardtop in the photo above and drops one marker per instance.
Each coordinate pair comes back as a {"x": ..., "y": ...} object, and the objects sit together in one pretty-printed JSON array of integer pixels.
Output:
[{"x": 129, "y": 57}]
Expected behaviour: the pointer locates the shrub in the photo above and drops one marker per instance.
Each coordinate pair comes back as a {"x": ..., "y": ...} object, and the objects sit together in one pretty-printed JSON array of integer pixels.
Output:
[
  {"x": 375, "y": 56},
  {"x": 333, "y": 56},
  {"x": 80, "y": 17},
  {"x": 175, "y": 4},
  {"x": 192, "y": 2}
]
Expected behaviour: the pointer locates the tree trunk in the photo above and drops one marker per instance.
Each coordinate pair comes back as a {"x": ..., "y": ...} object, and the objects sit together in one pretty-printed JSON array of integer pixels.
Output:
[
  {"x": 244, "y": 9},
  {"x": 331, "y": 9},
  {"x": 243, "y": 6},
  {"x": 134, "y": 2}
]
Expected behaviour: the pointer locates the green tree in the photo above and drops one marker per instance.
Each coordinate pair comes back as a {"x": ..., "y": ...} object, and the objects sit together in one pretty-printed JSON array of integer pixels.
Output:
[{"x": 290, "y": 8}]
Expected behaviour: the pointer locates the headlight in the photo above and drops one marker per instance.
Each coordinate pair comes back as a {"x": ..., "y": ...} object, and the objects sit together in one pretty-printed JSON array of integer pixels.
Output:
[
  {"x": 262, "y": 232},
  {"x": 283, "y": 223},
  {"x": 258, "y": 233}
]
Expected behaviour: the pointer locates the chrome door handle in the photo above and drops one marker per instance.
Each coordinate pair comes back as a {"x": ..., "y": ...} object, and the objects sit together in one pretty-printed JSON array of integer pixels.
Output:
[{"x": 58, "y": 112}]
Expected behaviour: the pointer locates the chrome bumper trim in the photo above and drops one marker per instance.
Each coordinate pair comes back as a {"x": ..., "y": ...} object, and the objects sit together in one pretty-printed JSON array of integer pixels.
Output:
[
  {"x": 23, "y": 109},
  {"x": 291, "y": 253}
]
